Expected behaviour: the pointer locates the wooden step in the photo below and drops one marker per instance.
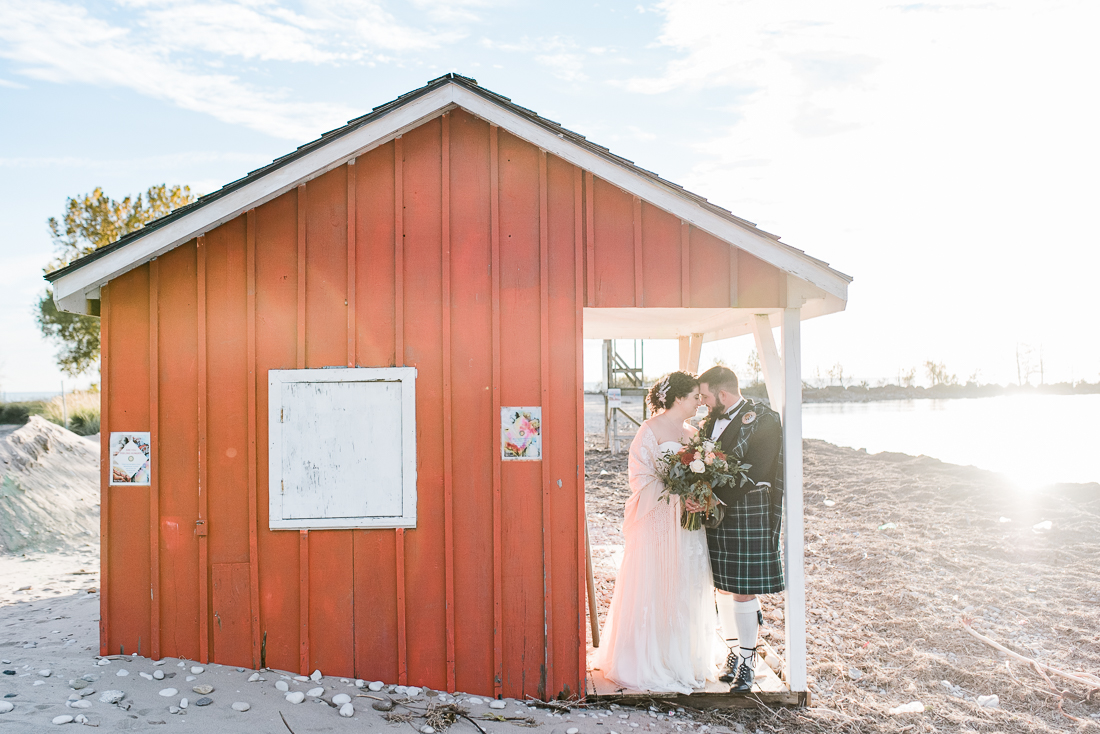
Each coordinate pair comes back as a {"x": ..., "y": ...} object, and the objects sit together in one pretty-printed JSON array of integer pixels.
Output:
[{"x": 769, "y": 689}]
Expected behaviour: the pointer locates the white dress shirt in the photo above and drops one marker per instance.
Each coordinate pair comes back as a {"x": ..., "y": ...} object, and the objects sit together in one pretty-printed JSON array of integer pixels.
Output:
[{"x": 721, "y": 423}]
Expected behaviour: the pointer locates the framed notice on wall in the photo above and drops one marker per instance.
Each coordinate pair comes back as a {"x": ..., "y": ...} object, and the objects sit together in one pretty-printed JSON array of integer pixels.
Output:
[
  {"x": 131, "y": 458},
  {"x": 521, "y": 434}
]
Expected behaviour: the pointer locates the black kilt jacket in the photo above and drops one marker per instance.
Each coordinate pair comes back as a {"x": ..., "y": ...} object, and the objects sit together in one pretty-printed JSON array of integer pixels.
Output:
[{"x": 744, "y": 549}]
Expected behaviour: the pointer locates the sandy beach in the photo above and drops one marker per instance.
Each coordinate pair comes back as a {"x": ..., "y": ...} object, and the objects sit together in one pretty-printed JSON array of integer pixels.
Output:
[{"x": 902, "y": 553}]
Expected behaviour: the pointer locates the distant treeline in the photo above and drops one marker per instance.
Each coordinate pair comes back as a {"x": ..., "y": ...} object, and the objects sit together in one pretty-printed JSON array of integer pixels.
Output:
[{"x": 862, "y": 394}]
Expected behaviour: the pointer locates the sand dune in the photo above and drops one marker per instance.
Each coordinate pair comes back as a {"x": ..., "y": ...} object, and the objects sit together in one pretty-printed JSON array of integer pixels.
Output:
[{"x": 49, "y": 488}]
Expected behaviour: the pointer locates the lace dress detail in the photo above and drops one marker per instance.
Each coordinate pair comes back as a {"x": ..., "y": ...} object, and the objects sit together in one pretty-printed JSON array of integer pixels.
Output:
[{"x": 660, "y": 632}]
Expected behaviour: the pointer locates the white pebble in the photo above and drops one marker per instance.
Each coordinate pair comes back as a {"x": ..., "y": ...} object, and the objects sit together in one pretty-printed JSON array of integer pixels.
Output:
[
  {"x": 360, "y": 683},
  {"x": 376, "y": 685},
  {"x": 315, "y": 692},
  {"x": 427, "y": 730},
  {"x": 122, "y": 673},
  {"x": 347, "y": 710},
  {"x": 301, "y": 678},
  {"x": 241, "y": 706},
  {"x": 412, "y": 691},
  {"x": 158, "y": 674},
  {"x": 5, "y": 707},
  {"x": 62, "y": 719},
  {"x": 45, "y": 673},
  {"x": 990, "y": 701},
  {"x": 166, "y": 692},
  {"x": 196, "y": 669},
  {"x": 295, "y": 697},
  {"x": 40, "y": 683},
  {"x": 253, "y": 678},
  {"x": 341, "y": 698},
  {"x": 180, "y": 664},
  {"x": 282, "y": 685},
  {"x": 572, "y": 730},
  {"x": 104, "y": 661},
  {"x": 81, "y": 719},
  {"x": 158, "y": 662},
  {"x": 474, "y": 701},
  {"x": 316, "y": 675},
  {"x": 183, "y": 703},
  {"x": 190, "y": 678},
  {"x": 111, "y": 696},
  {"x": 81, "y": 704},
  {"x": 401, "y": 690},
  {"x": 173, "y": 709},
  {"x": 497, "y": 704},
  {"x": 145, "y": 675}
]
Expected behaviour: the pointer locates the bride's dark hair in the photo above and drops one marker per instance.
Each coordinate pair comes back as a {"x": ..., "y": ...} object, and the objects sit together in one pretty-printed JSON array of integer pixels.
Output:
[{"x": 670, "y": 388}]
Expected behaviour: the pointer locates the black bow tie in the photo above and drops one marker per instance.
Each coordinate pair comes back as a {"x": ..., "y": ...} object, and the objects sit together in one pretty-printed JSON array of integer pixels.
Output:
[{"x": 729, "y": 414}]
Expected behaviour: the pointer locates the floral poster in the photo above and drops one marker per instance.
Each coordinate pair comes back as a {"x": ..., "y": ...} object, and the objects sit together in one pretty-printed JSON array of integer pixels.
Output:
[
  {"x": 521, "y": 434},
  {"x": 131, "y": 458}
]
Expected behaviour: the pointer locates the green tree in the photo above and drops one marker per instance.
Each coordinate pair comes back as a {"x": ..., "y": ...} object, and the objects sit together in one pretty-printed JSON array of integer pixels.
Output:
[{"x": 92, "y": 221}]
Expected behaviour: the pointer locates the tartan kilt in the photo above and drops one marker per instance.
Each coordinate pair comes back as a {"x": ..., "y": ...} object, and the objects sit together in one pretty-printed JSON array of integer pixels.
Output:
[{"x": 744, "y": 548}]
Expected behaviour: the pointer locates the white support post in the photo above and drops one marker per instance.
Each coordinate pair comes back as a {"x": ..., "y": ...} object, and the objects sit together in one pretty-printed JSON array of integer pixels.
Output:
[
  {"x": 685, "y": 353},
  {"x": 696, "y": 348},
  {"x": 793, "y": 537},
  {"x": 769, "y": 360}
]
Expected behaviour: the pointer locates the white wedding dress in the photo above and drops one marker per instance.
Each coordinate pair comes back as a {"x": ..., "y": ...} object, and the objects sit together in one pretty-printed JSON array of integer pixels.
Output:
[{"x": 660, "y": 633}]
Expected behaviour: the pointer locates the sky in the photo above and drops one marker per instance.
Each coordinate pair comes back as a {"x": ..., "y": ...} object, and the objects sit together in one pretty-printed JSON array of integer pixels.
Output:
[{"x": 945, "y": 155}]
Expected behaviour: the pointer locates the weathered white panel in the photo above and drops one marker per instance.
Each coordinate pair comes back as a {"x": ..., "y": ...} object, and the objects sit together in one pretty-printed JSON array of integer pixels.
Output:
[{"x": 342, "y": 448}]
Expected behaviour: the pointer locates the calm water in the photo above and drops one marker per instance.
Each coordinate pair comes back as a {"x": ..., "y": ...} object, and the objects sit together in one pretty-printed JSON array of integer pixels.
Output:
[{"x": 1035, "y": 439}]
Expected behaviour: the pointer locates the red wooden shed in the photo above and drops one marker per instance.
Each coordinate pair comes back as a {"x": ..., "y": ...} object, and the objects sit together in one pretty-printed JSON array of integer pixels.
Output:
[{"x": 474, "y": 243}]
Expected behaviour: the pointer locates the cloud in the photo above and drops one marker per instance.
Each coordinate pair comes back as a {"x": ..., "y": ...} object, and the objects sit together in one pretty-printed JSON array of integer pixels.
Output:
[
  {"x": 172, "y": 160},
  {"x": 559, "y": 54},
  {"x": 11, "y": 85},
  {"x": 64, "y": 44},
  {"x": 187, "y": 53}
]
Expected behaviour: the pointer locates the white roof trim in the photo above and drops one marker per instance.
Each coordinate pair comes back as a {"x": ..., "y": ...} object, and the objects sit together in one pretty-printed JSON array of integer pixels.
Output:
[{"x": 72, "y": 289}]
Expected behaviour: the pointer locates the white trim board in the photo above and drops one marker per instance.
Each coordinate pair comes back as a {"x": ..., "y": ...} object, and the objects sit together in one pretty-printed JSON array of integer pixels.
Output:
[{"x": 72, "y": 290}]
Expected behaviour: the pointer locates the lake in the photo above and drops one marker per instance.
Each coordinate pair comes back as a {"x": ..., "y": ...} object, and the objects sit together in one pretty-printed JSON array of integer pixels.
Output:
[{"x": 1034, "y": 439}]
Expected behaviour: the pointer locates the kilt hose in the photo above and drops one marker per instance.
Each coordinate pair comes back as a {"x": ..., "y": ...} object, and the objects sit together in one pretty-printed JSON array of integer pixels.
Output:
[{"x": 744, "y": 548}]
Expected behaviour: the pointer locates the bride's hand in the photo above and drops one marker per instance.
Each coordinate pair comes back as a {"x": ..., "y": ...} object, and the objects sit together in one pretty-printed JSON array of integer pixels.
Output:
[{"x": 691, "y": 505}]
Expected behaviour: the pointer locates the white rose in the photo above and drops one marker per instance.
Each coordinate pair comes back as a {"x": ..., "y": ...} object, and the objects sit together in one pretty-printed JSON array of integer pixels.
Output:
[{"x": 698, "y": 466}]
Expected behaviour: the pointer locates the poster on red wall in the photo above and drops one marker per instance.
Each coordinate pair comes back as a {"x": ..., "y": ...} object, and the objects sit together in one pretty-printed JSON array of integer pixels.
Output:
[
  {"x": 521, "y": 434},
  {"x": 131, "y": 458}
]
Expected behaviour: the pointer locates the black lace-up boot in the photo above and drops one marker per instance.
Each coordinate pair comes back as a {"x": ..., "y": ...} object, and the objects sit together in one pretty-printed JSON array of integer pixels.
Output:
[
  {"x": 746, "y": 673},
  {"x": 729, "y": 672}
]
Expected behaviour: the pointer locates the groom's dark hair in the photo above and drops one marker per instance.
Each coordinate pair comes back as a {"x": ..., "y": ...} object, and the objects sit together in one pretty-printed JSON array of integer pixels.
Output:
[{"x": 719, "y": 378}]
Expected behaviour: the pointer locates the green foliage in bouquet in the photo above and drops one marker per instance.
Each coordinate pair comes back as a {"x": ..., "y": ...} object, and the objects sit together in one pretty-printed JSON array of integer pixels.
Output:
[{"x": 694, "y": 472}]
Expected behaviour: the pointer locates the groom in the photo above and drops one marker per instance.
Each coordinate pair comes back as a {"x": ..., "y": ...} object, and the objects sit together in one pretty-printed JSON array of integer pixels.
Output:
[{"x": 744, "y": 548}]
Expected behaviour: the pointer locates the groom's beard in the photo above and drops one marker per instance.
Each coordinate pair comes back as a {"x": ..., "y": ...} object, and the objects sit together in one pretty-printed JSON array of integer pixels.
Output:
[{"x": 718, "y": 408}]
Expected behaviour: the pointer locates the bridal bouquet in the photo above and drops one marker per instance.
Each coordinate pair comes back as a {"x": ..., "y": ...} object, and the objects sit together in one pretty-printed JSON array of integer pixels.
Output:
[{"x": 694, "y": 472}]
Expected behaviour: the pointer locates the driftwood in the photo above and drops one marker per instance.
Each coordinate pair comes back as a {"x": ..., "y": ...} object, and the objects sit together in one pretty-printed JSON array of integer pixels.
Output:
[{"x": 1084, "y": 679}]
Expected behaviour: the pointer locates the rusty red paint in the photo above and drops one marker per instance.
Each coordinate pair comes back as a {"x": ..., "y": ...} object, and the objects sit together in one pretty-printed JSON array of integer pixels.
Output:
[
  {"x": 203, "y": 460},
  {"x": 105, "y": 426},
  {"x": 154, "y": 465},
  {"x": 253, "y": 519}
]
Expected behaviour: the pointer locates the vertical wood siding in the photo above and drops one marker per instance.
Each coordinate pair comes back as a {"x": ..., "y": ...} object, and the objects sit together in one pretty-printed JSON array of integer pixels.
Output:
[{"x": 458, "y": 249}]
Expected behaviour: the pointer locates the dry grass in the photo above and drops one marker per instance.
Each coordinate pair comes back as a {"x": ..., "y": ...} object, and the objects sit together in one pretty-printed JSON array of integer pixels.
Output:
[
  {"x": 82, "y": 409},
  {"x": 885, "y": 607}
]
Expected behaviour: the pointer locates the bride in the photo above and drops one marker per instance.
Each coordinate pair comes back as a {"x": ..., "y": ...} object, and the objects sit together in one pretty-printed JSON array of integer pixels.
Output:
[{"x": 660, "y": 629}]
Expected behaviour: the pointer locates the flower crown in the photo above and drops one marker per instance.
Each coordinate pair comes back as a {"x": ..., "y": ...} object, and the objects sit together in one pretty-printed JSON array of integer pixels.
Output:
[{"x": 662, "y": 391}]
